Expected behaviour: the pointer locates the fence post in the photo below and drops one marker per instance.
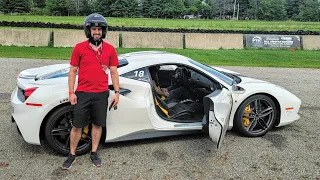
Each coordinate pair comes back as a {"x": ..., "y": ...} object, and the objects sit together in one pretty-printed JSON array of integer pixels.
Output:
[
  {"x": 51, "y": 39},
  {"x": 184, "y": 41},
  {"x": 120, "y": 39}
]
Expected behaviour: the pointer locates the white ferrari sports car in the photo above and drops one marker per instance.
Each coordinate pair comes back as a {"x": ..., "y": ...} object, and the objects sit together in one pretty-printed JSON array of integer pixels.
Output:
[{"x": 218, "y": 100}]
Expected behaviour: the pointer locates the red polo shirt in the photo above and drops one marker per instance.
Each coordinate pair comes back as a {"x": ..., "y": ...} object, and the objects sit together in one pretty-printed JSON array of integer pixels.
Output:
[{"x": 91, "y": 77}]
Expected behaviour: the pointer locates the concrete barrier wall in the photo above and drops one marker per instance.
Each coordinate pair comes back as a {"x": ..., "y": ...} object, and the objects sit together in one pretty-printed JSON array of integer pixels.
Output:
[
  {"x": 311, "y": 42},
  {"x": 214, "y": 41},
  {"x": 24, "y": 37},
  {"x": 152, "y": 40},
  {"x": 69, "y": 38}
]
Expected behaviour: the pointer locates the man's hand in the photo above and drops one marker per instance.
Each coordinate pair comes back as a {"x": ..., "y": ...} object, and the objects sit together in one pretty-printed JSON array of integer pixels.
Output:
[
  {"x": 115, "y": 100},
  {"x": 73, "y": 99},
  {"x": 165, "y": 91}
]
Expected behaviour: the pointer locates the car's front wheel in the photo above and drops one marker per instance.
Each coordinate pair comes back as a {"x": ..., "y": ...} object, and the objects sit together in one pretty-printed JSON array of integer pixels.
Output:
[
  {"x": 255, "y": 116},
  {"x": 58, "y": 128}
]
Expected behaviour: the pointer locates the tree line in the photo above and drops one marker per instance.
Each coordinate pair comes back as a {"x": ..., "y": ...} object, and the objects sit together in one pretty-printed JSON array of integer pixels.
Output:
[{"x": 299, "y": 10}]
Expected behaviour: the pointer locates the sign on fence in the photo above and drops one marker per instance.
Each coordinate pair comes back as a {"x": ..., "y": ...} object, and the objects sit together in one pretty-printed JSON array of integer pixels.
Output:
[{"x": 272, "y": 41}]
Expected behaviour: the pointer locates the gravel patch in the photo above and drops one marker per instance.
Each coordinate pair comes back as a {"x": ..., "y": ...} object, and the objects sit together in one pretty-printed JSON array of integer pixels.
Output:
[{"x": 290, "y": 152}]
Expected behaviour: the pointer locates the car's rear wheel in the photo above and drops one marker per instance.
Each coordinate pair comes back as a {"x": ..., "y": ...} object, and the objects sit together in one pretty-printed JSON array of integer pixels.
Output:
[
  {"x": 58, "y": 128},
  {"x": 255, "y": 116}
]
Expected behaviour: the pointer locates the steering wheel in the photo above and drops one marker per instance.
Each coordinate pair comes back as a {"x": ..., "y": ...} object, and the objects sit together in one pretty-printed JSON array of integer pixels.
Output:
[
  {"x": 177, "y": 76},
  {"x": 180, "y": 76}
]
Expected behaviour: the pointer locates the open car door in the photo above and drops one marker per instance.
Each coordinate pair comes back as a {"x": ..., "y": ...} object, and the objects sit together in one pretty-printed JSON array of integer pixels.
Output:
[{"x": 217, "y": 108}]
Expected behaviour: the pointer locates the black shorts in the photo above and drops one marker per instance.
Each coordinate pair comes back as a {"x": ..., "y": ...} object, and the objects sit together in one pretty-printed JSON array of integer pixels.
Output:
[{"x": 90, "y": 107}]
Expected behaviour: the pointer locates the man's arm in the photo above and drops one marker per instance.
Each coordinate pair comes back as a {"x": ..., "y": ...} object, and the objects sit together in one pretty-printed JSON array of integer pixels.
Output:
[
  {"x": 115, "y": 77},
  {"x": 72, "y": 77},
  {"x": 160, "y": 91},
  {"x": 115, "y": 81},
  {"x": 157, "y": 88},
  {"x": 71, "y": 81}
]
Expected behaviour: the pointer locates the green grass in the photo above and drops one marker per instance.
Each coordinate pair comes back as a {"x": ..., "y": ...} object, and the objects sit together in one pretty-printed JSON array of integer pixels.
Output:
[
  {"x": 256, "y": 57},
  {"x": 176, "y": 23}
]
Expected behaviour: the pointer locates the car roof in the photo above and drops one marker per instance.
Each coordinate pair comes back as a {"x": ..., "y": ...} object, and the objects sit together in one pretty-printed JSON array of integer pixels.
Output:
[{"x": 149, "y": 58}]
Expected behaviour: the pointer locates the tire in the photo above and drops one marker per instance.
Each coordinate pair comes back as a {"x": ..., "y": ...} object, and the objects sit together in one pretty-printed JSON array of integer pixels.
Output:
[
  {"x": 61, "y": 122},
  {"x": 255, "y": 116}
]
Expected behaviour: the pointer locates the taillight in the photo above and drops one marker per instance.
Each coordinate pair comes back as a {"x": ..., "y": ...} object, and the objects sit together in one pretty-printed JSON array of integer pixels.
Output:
[
  {"x": 28, "y": 92},
  {"x": 18, "y": 76}
]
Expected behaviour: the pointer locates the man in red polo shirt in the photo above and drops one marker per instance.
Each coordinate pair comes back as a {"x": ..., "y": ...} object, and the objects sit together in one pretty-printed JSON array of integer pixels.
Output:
[{"x": 92, "y": 59}]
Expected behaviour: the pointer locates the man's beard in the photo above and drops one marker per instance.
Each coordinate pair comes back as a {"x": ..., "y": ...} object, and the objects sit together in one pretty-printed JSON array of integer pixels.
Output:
[{"x": 95, "y": 42}]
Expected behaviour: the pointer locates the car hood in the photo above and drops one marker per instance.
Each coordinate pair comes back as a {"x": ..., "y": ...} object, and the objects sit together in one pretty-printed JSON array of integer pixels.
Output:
[
  {"x": 251, "y": 80},
  {"x": 226, "y": 70}
]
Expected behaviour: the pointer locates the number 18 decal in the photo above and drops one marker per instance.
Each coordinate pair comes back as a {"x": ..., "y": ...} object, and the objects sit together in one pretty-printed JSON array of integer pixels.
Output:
[{"x": 139, "y": 73}]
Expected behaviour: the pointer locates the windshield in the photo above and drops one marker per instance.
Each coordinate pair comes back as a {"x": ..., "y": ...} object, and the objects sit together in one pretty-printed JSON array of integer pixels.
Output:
[{"x": 224, "y": 77}]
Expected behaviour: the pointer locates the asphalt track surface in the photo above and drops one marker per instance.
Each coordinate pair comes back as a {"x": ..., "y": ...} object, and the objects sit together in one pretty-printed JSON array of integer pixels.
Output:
[{"x": 290, "y": 152}]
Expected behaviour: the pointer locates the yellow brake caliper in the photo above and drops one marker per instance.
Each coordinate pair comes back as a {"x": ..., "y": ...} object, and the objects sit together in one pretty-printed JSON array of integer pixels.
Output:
[
  {"x": 245, "y": 119},
  {"x": 85, "y": 132}
]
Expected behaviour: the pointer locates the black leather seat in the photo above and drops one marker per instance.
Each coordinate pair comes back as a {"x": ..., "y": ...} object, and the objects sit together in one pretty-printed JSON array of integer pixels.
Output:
[
  {"x": 180, "y": 110},
  {"x": 175, "y": 109}
]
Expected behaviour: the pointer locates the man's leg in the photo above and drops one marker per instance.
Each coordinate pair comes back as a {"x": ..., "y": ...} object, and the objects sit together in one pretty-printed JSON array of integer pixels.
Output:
[
  {"x": 75, "y": 136},
  {"x": 186, "y": 93},
  {"x": 98, "y": 115},
  {"x": 170, "y": 88},
  {"x": 179, "y": 93},
  {"x": 96, "y": 135},
  {"x": 80, "y": 119}
]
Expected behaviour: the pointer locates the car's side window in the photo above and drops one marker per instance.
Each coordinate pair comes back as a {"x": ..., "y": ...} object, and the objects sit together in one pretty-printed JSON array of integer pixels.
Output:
[
  {"x": 197, "y": 76},
  {"x": 138, "y": 74},
  {"x": 168, "y": 67}
]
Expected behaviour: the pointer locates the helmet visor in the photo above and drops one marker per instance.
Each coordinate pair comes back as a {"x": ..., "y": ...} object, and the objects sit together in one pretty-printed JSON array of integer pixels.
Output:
[{"x": 98, "y": 24}]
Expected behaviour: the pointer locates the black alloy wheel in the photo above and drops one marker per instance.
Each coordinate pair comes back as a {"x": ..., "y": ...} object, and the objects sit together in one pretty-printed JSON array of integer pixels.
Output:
[
  {"x": 255, "y": 116},
  {"x": 57, "y": 132}
]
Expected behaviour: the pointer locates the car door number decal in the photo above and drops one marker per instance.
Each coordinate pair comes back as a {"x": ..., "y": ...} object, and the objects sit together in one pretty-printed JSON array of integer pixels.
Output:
[{"x": 139, "y": 73}]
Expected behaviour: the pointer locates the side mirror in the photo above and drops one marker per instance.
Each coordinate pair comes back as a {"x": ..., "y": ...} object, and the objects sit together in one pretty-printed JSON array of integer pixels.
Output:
[
  {"x": 238, "y": 89},
  {"x": 213, "y": 86}
]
